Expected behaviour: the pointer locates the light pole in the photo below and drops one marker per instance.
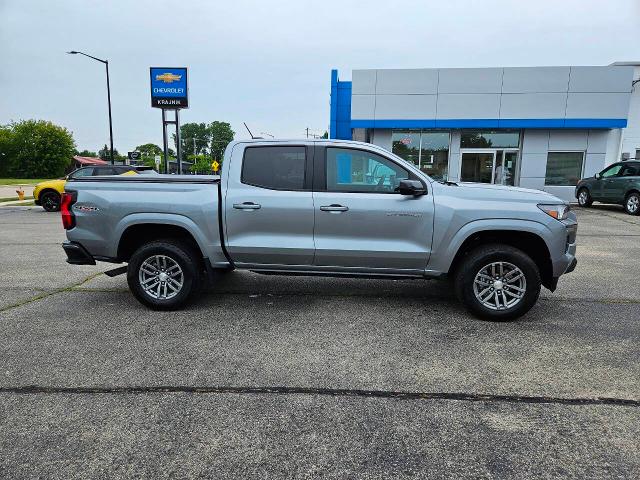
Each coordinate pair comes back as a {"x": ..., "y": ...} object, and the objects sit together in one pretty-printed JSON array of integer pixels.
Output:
[{"x": 106, "y": 64}]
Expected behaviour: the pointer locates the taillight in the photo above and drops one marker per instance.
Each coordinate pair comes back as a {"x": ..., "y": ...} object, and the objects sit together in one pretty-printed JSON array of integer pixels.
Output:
[{"x": 68, "y": 218}]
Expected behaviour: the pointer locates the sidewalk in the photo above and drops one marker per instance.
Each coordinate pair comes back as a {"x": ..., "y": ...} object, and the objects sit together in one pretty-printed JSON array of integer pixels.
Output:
[{"x": 9, "y": 191}]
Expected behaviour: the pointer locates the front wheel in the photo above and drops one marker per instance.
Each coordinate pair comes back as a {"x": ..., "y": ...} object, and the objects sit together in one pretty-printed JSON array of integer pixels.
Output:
[
  {"x": 584, "y": 198},
  {"x": 163, "y": 275},
  {"x": 497, "y": 282},
  {"x": 632, "y": 203}
]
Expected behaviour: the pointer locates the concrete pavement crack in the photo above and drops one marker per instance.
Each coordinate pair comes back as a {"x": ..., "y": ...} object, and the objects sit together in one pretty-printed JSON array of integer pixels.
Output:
[
  {"x": 50, "y": 293},
  {"x": 401, "y": 395}
]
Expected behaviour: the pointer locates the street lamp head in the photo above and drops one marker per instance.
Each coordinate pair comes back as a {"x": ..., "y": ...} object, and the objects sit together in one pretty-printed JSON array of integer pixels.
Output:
[{"x": 72, "y": 52}]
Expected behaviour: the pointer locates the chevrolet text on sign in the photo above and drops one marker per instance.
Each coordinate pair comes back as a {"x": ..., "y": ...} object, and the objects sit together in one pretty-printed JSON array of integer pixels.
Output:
[{"x": 169, "y": 88}]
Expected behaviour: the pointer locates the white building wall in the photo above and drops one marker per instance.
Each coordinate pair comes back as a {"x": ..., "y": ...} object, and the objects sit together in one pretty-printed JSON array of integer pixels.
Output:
[{"x": 631, "y": 134}]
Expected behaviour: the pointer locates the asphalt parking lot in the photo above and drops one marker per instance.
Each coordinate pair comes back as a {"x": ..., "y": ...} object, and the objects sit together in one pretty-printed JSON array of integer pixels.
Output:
[{"x": 300, "y": 377}]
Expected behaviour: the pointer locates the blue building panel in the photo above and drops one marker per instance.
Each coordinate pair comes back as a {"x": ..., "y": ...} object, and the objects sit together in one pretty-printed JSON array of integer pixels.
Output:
[{"x": 340, "y": 108}]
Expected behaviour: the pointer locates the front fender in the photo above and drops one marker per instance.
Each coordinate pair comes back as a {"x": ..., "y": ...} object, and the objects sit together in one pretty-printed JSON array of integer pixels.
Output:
[{"x": 443, "y": 254}]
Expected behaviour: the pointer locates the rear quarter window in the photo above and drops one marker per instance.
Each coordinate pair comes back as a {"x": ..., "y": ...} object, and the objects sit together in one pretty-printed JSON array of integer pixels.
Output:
[{"x": 276, "y": 168}]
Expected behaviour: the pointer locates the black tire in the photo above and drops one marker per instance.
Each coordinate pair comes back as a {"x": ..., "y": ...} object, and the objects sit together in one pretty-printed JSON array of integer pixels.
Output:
[
  {"x": 50, "y": 201},
  {"x": 632, "y": 203},
  {"x": 483, "y": 256},
  {"x": 179, "y": 253},
  {"x": 584, "y": 200}
]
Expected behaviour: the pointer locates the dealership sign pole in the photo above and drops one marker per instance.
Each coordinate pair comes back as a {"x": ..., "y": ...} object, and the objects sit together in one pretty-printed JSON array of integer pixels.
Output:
[{"x": 169, "y": 91}]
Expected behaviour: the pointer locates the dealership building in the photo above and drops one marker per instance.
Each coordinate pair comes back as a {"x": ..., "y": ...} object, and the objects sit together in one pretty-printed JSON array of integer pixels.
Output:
[{"x": 534, "y": 127}]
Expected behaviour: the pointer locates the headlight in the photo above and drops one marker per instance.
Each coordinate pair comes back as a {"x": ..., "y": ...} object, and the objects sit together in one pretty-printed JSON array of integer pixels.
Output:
[{"x": 559, "y": 212}]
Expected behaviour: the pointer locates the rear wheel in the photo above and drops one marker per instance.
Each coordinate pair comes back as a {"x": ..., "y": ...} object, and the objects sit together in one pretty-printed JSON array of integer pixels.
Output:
[
  {"x": 584, "y": 198},
  {"x": 632, "y": 203},
  {"x": 50, "y": 201},
  {"x": 164, "y": 275},
  {"x": 497, "y": 282}
]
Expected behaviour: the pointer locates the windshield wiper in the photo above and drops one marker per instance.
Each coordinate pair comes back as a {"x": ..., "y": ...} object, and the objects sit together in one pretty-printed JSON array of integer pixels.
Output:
[{"x": 450, "y": 184}]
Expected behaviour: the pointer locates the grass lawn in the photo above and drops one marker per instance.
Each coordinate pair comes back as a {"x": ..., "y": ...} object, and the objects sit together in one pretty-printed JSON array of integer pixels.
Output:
[{"x": 21, "y": 181}]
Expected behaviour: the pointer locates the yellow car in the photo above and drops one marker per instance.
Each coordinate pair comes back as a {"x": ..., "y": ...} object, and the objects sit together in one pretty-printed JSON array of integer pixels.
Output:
[{"x": 47, "y": 194}]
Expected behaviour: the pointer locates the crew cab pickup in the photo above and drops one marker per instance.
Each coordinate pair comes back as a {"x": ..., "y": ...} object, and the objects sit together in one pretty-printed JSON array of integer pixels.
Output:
[{"x": 317, "y": 207}]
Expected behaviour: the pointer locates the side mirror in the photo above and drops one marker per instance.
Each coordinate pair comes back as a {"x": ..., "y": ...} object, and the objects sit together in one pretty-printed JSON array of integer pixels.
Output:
[
  {"x": 411, "y": 187},
  {"x": 597, "y": 176}
]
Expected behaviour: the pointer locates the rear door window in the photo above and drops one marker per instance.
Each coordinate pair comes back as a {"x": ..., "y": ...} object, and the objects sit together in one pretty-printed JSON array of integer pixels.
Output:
[
  {"x": 82, "y": 172},
  {"x": 630, "y": 170},
  {"x": 104, "y": 171},
  {"x": 276, "y": 168}
]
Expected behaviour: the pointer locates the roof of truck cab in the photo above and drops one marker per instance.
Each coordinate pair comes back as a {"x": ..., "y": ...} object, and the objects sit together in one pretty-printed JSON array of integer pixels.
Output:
[{"x": 304, "y": 141}]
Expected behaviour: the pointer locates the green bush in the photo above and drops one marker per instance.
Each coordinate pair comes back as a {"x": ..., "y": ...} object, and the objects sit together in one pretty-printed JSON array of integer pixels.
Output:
[{"x": 35, "y": 149}]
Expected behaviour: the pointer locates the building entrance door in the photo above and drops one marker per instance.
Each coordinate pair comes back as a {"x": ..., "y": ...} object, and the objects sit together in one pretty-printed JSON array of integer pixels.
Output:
[
  {"x": 489, "y": 166},
  {"x": 477, "y": 166}
]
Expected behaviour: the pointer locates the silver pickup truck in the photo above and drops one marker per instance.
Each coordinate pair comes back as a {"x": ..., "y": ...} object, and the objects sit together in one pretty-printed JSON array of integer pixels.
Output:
[{"x": 335, "y": 208}]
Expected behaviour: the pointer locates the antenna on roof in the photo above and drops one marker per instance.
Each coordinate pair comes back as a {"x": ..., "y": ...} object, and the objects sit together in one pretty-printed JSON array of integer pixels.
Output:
[{"x": 252, "y": 136}]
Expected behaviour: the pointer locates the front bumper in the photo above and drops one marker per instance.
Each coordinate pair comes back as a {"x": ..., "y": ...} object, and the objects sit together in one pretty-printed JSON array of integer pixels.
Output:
[{"x": 77, "y": 254}]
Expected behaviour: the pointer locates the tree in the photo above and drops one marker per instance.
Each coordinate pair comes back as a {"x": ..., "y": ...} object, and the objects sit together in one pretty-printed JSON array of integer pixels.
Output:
[
  {"x": 325, "y": 134},
  {"x": 5, "y": 149},
  {"x": 201, "y": 164},
  {"x": 195, "y": 139},
  {"x": 105, "y": 154},
  {"x": 149, "y": 150},
  {"x": 35, "y": 148},
  {"x": 221, "y": 136},
  {"x": 86, "y": 153}
]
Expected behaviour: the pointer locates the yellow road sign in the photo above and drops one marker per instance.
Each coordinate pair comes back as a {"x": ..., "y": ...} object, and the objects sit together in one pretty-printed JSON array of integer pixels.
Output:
[{"x": 215, "y": 166}]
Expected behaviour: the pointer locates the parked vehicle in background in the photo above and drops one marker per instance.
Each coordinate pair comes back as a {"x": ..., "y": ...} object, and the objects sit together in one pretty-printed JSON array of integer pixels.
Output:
[
  {"x": 618, "y": 184},
  {"x": 48, "y": 193},
  {"x": 315, "y": 207}
]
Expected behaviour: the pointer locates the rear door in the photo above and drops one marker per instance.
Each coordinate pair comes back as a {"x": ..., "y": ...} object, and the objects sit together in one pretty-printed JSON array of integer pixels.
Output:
[
  {"x": 269, "y": 205},
  {"x": 362, "y": 223}
]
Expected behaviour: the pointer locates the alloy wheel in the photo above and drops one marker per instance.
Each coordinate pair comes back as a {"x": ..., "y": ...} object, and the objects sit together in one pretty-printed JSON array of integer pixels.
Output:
[
  {"x": 633, "y": 202},
  {"x": 583, "y": 197},
  {"x": 161, "y": 277},
  {"x": 500, "y": 286}
]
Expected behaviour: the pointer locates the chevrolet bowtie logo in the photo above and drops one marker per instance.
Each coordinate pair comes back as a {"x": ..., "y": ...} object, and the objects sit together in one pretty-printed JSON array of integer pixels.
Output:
[{"x": 168, "y": 77}]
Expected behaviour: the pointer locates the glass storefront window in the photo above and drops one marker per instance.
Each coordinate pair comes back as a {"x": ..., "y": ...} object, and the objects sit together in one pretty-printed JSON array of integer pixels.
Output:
[
  {"x": 406, "y": 144},
  {"x": 564, "y": 168},
  {"x": 490, "y": 139},
  {"x": 428, "y": 150}
]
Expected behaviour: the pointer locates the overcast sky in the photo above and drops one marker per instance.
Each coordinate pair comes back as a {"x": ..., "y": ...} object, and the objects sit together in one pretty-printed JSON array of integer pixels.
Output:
[{"x": 269, "y": 63}]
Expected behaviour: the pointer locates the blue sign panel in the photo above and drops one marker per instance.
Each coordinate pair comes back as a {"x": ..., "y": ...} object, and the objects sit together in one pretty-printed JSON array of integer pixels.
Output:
[{"x": 169, "y": 88}]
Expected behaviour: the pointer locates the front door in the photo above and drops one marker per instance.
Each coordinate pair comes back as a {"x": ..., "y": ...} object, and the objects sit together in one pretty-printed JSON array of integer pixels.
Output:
[
  {"x": 361, "y": 222},
  {"x": 505, "y": 170},
  {"x": 269, "y": 205},
  {"x": 477, "y": 166},
  {"x": 489, "y": 166},
  {"x": 618, "y": 186},
  {"x": 608, "y": 183}
]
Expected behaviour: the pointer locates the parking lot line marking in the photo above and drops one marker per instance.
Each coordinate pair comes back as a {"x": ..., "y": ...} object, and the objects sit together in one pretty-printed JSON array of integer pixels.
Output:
[{"x": 401, "y": 395}]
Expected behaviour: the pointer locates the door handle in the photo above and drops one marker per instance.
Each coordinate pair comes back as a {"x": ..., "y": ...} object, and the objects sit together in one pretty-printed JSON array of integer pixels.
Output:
[
  {"x": 334, "y": 207},
  {"x": 246, "y": 206}
]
